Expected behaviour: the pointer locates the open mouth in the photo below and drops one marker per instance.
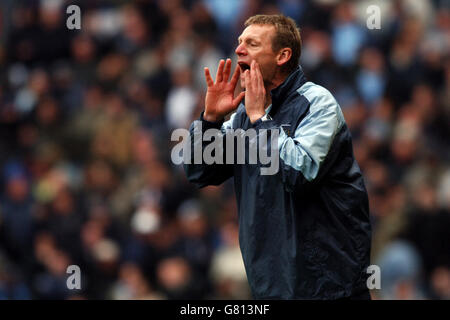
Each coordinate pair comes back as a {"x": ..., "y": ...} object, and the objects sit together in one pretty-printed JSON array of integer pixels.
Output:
[{"x": 244, "y": 66}]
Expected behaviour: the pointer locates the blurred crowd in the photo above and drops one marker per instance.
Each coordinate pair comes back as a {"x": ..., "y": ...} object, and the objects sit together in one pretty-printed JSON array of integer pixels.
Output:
[{"x": 86, "y": 118}]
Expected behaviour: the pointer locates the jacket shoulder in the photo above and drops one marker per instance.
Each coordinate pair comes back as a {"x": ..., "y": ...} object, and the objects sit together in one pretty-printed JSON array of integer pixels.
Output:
[
  {"x": 320, "y": 99},
  {"x": 316, "y": 94}
]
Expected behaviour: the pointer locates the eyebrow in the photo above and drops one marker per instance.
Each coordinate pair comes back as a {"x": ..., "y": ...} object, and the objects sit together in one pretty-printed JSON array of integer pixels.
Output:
[{"x": 249, "y": 39}]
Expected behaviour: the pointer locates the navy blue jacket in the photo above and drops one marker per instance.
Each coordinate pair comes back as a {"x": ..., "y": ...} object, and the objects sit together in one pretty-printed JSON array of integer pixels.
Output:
[{"x": 304, "y": 232}]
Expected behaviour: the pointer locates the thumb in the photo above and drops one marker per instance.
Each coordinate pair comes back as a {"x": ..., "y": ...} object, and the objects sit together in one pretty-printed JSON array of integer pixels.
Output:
[{"x": 238, "y": 99}]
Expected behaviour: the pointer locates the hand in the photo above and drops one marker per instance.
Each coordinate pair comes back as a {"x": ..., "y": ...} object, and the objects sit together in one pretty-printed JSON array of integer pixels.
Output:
[
  {"x": 255, "y": 93},
  {"x": 220, "y": 99}
]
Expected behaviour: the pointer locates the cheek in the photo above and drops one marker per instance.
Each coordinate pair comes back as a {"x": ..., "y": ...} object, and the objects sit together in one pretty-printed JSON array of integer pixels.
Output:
[
  {"x": 265, "y": 73},
  {"x": 266, "y": 70},
  {"x": 266, "y": 61}
]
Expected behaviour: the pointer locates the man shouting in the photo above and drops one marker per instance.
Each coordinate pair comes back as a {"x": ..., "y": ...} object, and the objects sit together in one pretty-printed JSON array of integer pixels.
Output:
[{"x": 304, "y": 231}]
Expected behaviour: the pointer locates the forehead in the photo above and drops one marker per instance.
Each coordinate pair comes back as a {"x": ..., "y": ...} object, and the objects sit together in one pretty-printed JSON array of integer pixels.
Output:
[{"x": 260, "y": 32}]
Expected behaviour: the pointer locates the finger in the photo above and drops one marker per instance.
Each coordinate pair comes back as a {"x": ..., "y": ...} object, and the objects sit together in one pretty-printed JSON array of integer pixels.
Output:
[
  {"x": 209, "y": 80},
  {"x": 259, "y": 75},
  {"x": 248, "y": 84},
  {"x": 253, "y": 78},
  {"x": 226, "y": 73},
  {"x": 243, "y": 80},
  {"x": 219, "y": 75},
  {"x": 235, "y": 76},
  {"x": 238, "y": 99}
]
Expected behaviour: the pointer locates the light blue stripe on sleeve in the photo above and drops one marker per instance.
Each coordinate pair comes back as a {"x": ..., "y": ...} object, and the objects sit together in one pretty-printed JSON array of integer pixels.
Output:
[{"x": 312, "y": 139}]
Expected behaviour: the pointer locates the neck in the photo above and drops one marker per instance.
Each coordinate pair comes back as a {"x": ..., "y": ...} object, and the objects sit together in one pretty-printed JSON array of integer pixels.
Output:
[{"x": 269, "y": 85}]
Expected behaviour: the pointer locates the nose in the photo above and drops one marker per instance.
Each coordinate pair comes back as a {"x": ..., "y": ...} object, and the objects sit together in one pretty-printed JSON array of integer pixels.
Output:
[{"x": 240, "y": 50}]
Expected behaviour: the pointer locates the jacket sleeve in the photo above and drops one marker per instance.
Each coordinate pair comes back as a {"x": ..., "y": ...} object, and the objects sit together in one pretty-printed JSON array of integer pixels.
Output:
[{"x": 197, "y": 170}]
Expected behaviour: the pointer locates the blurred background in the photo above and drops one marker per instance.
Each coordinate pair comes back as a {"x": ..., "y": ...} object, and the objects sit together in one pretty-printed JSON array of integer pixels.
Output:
[{"x": 85, "y": 123}]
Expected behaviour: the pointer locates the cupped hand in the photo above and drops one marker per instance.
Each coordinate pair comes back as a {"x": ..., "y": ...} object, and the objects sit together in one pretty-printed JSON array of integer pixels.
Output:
[
  {"x": 255, "y": 93},
  {"x": 220, "y": 98}
]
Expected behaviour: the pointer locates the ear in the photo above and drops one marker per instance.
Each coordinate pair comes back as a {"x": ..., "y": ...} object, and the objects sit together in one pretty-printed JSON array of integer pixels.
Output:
[{"x": 283, "y": 56}]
